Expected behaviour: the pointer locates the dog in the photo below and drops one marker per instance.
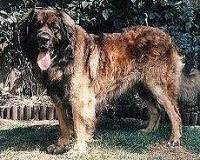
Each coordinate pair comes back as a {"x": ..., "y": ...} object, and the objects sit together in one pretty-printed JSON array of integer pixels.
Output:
[{"x": 81, "y": 71}]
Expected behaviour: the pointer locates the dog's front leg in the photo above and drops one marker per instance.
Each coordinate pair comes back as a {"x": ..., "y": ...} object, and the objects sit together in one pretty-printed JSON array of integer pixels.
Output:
[
  {"x": 83, "y": 110},
  {"x": 65, "y": 128}
]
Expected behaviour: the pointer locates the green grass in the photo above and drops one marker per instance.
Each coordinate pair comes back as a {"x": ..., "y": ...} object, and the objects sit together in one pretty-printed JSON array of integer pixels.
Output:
[
  {"x": 191, "y": 138},
  {"x": 27, "y": 137},
  {"x": 126, "y": 135},
  {"x": 114, "y": 139}
]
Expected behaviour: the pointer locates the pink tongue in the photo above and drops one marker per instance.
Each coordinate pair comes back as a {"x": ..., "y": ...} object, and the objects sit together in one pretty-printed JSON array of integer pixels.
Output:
[{"x": 43, "y": 60}]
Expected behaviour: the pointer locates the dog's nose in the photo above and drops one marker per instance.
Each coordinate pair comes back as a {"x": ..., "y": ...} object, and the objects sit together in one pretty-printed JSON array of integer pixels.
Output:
[{"x": 43, "y": 38}]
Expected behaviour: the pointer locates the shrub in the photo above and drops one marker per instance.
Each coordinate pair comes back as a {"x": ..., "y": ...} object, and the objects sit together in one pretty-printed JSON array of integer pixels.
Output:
[{"x": 177, "y": 17}]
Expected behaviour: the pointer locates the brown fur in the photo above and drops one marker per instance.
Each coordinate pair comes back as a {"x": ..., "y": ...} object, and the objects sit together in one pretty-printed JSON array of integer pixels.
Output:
[{"x": 90, "y": 70}]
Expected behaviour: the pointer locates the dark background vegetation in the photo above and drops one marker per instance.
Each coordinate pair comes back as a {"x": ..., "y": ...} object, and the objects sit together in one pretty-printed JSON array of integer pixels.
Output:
[{"x": 181, "y": 19}]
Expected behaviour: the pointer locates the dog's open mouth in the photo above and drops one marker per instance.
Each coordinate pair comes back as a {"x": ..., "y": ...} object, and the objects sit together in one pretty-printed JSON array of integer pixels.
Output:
[{"x": 44, "y": 60}]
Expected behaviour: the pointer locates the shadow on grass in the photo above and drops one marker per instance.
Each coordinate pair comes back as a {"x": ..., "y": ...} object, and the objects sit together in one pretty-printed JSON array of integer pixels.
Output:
[
  {"x": 28, "y": 138},
  {"x": 110, "y": 134},
  {"x": 124, "y": 134},
  {"x": 191, "y": 138}
]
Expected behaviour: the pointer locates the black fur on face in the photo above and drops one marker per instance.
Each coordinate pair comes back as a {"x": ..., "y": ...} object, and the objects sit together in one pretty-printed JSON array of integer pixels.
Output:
[{"x": 47, "y": 30}]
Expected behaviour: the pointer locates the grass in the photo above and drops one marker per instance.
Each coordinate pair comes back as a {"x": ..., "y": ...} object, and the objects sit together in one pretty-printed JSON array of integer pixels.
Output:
[
  {"x": 191, "y": 138},
  {"x": 116, "y": 139}
]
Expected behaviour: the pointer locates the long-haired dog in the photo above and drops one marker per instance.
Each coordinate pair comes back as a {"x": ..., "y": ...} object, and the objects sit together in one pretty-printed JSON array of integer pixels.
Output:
[{"x": 81, "y": 70}]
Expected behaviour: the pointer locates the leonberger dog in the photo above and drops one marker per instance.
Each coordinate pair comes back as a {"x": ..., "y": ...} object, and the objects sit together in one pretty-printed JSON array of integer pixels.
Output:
[{"x": 81, "y": 71}]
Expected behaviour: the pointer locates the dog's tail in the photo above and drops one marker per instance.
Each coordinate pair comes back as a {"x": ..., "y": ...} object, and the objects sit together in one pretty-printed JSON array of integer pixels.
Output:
[{"x": 189, "y": 90}]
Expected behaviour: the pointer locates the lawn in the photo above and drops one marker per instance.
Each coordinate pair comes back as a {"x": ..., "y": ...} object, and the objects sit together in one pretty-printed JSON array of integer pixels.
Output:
[{"x": 115, "y": 139}]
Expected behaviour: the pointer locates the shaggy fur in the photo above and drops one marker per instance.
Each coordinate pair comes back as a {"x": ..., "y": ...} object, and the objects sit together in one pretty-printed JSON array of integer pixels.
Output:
[{"x": 87, "y": 70}]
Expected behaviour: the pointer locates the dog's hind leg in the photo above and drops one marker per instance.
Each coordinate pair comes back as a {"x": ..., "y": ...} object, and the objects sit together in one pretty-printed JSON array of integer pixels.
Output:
[
  {"x": 169, "y": 101},
  {"x": 154, "y": 117},
  {"x": 153, "y": 109}
]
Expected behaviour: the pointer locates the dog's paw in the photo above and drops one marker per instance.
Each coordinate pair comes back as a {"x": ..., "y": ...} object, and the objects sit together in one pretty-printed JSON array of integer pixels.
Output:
[
  {"x": 144, "y": 130},
  {"x": 174, "y": 143},
  {"x": 72, "y": 154},
  {"x": 81, "y": 147},
  {"x": 55, "y": 149}
]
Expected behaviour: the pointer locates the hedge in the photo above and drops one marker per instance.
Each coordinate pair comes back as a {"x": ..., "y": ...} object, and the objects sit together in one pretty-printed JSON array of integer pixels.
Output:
[{"x": 179, "y": 18}]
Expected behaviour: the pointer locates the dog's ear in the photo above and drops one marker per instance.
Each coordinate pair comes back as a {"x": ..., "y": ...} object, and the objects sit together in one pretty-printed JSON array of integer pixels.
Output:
[
  {"x": 93, "y": 61},
  {"x": 69, "y": 24},
  {"x": 68, "y": 31},
  {"x": 23, "y": 29}
]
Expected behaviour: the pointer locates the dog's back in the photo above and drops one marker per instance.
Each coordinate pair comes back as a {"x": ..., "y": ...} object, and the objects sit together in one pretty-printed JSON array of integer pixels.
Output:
[{"x": 137, "y": 54}]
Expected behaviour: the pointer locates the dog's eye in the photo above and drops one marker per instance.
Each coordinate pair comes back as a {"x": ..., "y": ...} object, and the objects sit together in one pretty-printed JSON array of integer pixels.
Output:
[{"x": 55, "y": 29}]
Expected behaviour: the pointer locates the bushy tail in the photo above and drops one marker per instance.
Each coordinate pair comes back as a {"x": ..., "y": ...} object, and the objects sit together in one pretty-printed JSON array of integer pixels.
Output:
[{"x": 189, "y": 93}]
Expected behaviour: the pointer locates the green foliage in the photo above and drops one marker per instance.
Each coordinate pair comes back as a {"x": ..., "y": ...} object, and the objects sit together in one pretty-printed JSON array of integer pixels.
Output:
[
  {"x": 177, "y": 17},
  {"x": 7, "y": 21}
]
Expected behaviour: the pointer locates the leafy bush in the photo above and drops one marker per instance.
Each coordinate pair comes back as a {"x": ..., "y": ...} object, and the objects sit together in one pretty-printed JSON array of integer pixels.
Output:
[{"x": 177, "y": 17}]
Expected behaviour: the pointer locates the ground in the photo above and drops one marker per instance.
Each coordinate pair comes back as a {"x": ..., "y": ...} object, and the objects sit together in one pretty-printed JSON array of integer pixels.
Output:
[{"x": 114, "y": 139}]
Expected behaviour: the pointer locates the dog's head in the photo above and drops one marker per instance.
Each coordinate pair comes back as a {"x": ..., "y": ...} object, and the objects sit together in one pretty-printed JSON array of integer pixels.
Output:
[{"x": 46, "y": 37}]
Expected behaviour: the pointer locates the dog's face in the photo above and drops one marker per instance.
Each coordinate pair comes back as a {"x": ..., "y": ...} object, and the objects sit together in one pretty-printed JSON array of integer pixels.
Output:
[{"x": 45, "y": 36}]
